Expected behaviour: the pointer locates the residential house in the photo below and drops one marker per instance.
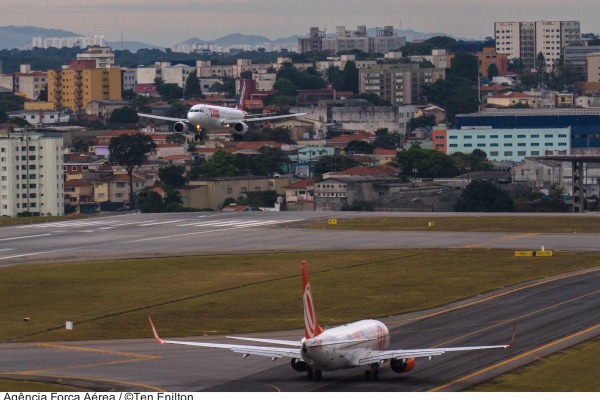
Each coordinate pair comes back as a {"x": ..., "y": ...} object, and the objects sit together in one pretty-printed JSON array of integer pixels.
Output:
[
  {"x": 333, "y": 193},
  {"x": 115, "y": 188},
  {"x": 78, "y": 192},
  {"x": 511, "y": 99},
  {"x": 299, "y": 195}
]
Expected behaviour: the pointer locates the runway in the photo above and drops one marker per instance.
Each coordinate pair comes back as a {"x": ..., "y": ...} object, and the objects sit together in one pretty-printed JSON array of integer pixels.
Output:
[
  {"x": 551, "y": 314},
  {"x": 162, "y": 235}
]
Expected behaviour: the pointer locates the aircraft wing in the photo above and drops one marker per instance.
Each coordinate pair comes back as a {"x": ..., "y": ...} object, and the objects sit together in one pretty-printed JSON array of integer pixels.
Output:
[
  {"x": 259, "y": 119},
  {"x": 296, "y": 343},
  {"x": 164, "y": 118},
  {"x": 272, "y": 352},
  {"x": 370, "y": 357}
]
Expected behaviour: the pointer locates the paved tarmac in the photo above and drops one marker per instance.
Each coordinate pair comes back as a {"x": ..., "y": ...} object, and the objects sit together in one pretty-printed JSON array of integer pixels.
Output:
[{"x": 551, "y": 314}]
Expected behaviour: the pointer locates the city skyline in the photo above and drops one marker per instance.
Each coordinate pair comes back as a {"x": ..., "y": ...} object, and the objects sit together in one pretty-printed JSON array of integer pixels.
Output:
[{"x": 168, "y": 23}]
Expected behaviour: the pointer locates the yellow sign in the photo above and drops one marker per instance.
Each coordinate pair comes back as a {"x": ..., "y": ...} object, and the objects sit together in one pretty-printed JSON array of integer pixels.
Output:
[
  {"x": 543, "y": 254},
  {"x": 332, "y": 221},
  {"x": 431, "y": 224},
  {"x": 523, "y": 253}
]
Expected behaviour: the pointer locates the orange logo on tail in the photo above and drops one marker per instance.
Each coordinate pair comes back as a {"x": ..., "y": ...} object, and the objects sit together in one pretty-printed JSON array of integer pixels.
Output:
[{"x": 311, "y": 327}]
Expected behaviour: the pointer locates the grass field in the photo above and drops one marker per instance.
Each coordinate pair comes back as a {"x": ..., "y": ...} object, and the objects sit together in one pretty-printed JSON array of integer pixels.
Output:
[
  {"x": 252, "y": 292},
  {"x": 576, "y": 369},
  {"x": 10, "y": 221},
  {"x": 531, "y": 224},
  {"x": 7, "y": 385}
]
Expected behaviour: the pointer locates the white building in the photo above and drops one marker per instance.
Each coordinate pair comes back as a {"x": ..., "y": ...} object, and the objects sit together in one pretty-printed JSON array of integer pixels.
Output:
[
  {"x": 177, "y": 74},
  {"x": 103, "y": 56},
  {"x": 71, "y": 41},
  {"x": 526, "y": 40},
  {"x": 31, "y": 174}
]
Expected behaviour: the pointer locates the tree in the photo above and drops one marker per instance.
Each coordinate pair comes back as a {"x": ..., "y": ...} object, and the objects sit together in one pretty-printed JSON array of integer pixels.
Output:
[
  {"x": 129, "y": 151},
  {"x": 192, "y": 87},
  {"x": 492, "y": 71},
  {"x": 172, "y": 176},
  {"x": 425, "y": 163},
  {"x": 386, "y": 140},
  {"x": 123, "y": 115},
  {"x": 423, "y": 121},
  {"x": 483, "y": 196},
  {"x": 220, "y": 164},
  {"x": 359, "y": 147},
  {"x": 350, "y": 74},
  {"x": 177, "y": 138},
  {"x": 150, "y": 202},
  {"x": 465, "y": 65},
  {"x": 334, "y": 163}
]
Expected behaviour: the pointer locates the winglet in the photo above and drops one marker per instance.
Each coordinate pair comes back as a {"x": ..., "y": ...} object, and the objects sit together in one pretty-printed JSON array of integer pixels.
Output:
[
  {"x": 311, "y": 327},
  {"x": 242, "y": 98},
  {"x": 514, "y": 336},
  {"x": 158, "y": 339}
]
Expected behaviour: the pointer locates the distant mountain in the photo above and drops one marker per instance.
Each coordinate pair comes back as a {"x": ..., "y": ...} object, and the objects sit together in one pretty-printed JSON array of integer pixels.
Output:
[
  {"x": 132, "y": 46},
  {"x": 21, "y": 37}
]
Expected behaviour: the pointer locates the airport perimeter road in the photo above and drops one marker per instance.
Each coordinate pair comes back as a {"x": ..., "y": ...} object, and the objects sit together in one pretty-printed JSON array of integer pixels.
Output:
[
  {"x": 160, "y": 235},
  {"x": 551, "y": 314}
]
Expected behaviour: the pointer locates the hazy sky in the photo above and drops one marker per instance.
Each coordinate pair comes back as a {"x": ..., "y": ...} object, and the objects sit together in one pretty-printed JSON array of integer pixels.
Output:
[{"x": 167, "y": 22}]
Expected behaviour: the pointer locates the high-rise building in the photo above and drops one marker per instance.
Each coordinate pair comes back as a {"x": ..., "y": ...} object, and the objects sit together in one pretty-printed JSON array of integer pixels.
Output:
[
  {"x": 525, "y": 40},
  {"x": 400, "y": 84},
  {"x": 31, "y": 174},
  {"x": 74, "y": 87}
]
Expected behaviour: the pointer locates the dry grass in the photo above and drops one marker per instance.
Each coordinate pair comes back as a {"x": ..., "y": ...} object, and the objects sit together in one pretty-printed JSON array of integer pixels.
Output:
[
  {"x": 512, "y": 223},
  {"x": 251, "y": 292},
  {"x": 572, "y": 370}
]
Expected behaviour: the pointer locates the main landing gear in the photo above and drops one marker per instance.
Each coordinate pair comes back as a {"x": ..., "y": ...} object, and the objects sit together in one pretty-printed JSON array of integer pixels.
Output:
[
  {"x": 314, "y": 374},
  {"x": 373, "y": 373}
]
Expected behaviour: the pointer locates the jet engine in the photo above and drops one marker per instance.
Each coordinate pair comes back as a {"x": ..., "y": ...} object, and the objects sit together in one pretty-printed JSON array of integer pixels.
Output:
[
  {"x": 402, "y": 365},
  {"x": 239, "y": 128},
  {"x": 299, "y": 365},
  {"x": 180, "y": 127}
]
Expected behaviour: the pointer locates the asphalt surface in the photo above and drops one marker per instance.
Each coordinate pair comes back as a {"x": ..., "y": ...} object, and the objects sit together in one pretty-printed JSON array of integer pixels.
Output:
[{"x": 551, "y": 314}]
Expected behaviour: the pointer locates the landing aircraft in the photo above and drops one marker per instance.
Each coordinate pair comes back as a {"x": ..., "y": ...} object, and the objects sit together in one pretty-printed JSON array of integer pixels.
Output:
[
  {"x": 358, "y": 344},
  {"x": 207, "y": 117}
]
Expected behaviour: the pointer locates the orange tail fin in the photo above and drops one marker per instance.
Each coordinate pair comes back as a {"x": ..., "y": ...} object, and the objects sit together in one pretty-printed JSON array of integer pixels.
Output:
[{"x": 311, "y": 327}]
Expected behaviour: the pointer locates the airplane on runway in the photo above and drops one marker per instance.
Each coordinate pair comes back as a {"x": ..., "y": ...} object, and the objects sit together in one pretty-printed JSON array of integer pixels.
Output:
[
  {"x": 208, "y": 117},
  {"x": 357, "y": 344}
]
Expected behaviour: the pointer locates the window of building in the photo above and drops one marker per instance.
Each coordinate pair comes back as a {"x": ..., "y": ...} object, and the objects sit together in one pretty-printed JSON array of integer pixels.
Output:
[
  {"x": 493, "y": 153},
  {"x": 508, "y": 153}
]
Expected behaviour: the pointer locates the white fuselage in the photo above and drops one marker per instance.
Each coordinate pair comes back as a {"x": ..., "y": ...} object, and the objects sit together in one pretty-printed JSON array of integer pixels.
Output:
[
  {"x": 343, "y": 346},
  {"x": 213, "y": 117}
]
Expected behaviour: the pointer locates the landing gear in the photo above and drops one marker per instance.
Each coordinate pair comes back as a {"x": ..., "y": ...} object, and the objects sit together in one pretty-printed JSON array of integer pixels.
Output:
[
  {"x": 314, "y": 374},
  {"x": 373, "y": 373}
]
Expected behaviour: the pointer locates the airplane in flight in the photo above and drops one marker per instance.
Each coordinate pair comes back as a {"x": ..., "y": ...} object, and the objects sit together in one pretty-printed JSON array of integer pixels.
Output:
[
  {"x": 208, "y": 117},
  {"x": 358, "y": 344}
]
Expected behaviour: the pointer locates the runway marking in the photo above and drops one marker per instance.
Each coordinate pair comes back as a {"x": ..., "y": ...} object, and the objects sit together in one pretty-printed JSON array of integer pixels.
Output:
[
  {"x": 161, "y": 222},
  {"x": 129, "y": 357},
  {"x": 502, "y": 363},
  {"x": 197, "y": 233},
  {"x": 506, "y": 293},
  {"x": 501, "y": 239},
  {"x": 519, "y": 317},
  {"x": 124, "y": 383},
  {"x": 24, "y": 237}
]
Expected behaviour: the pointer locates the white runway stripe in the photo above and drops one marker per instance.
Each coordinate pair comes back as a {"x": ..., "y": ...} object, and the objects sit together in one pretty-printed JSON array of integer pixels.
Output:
[{"x": 162, "y": 222}]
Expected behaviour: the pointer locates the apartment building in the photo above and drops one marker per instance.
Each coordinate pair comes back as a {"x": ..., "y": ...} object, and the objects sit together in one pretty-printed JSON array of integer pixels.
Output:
[
  {"x": 26, "y": 82},
  {"x": 81, "y": 82},
  {"x": 593, "y": 67},
  {"x": 103, "y": 56},
  {"x": 399, "y": 84},
  {"x": 31, "y": 174},
  {"x": 346, "y": 40},
  {"x": 526, "y": 40}
]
